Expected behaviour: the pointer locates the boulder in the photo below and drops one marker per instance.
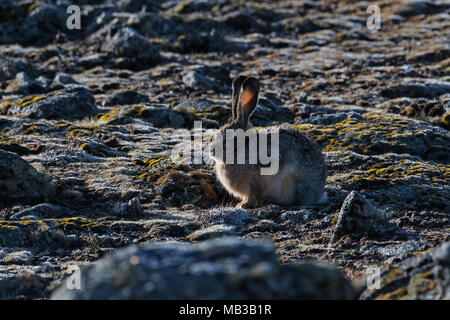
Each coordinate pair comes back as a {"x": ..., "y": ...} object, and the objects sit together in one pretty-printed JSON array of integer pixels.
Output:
[
  {"x": 422, "y": 277},
  {"x": 358, "y": 217},
  {"x": 74, "y": 102},
  {"x": 133, "y": 47},
  {"x": 19, "y": 180},
  {"x": 227, "y": 268}
]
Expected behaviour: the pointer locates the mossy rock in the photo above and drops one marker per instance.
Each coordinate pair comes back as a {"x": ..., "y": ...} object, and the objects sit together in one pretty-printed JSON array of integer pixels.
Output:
[
  {"x": 380, "y": 134},
  {"x": 421, "y": 277},
  {"x": 402, "y": 184},
  {"x": 20, "y": 181},
  {"x": 446, "y": 120},
  {"x": 158, "y": 115},
  {"x": 47, "y": 233},
  {"x": 99, "y": 149},
  {"x": 17, "y": 148},
  {"x": 71, "y": 103}
]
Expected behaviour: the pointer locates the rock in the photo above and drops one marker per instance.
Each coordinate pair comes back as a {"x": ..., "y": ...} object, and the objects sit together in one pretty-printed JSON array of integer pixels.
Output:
[
  {"x": 151, "y": 24},
  {"x": 163, "y": 229},
  {"x": 418, "y": 108},
  {"x": 16, "y": 148},
  {"x": 61, "y": 80},
  {"x": 212, "y": 232},
  {"x": 18, "y": 257},
  {"x": 422, "y": 277},
  {"x": 130, "y": 209},
  {"x": 24, "y": 282},
  {"x": 195, "y": 80},
  {"x": 20, "y": 181},
  {"x": 159, "y": 116},
  {"x": 243, "y": 21},
  {"x": 300, "y": 216},
  {"x": 265, "y": 226},
  {"x": 218, "y": 269},
  {"x": 138, "y": 5},
  {"x": 327, "y": 119},
  {"x": 219, "y": 43},
  {"x": 358, "y": 217},
  {"x": 272, "y": 211},
  {"x": 429, "y": 54},
  {"x": 48, "y": 235},
  {"x": 399, "y": 251},
  {"x": 446, "y": 120},
  {"x": 11, "y": 67},
  {"x": 73, "y": 195},
  {"x": 23, "y": 84},
  {"x": 29, "y": 25},
  {"x": 125, "y": 98},
  {"x": 428, "y": 89},
  {"x": 381, "y": 134},
  {"x": 135, "y": 48},
  {"x": 193, "y": 6},
  {"x": 445, "y": 100},
  {"x": 297, "y": 24},
  {"x": 230, "y": 216},
  {"x": 211, "y": 41},
  {"x": 270, "y": 112},
  {"x": 99, "y": 149},
  {"x": 92, "y": 60},
  {"x": 418, "y": 7},
  {"x": 193, "y": 42},
  {"x": 43, "y": 211},
  {"x": 74, "y": 102}
]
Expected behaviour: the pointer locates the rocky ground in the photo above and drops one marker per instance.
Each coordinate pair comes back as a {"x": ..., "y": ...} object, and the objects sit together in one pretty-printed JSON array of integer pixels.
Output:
[{"x": 89, "y": 117}]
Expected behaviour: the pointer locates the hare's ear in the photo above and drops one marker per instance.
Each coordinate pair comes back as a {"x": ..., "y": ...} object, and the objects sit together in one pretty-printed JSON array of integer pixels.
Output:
[
  {"x": 236, "y": 86},
  {"x": 247, "y": 100}
]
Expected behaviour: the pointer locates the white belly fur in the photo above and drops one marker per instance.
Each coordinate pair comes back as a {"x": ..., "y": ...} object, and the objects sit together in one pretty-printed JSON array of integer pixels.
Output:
[{"x": 279, "y": 188}]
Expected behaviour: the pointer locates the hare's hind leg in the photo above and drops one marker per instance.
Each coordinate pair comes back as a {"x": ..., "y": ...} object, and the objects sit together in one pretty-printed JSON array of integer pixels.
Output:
[
  {"x": 253, "y": 196},
  {"x": 248, "y": 203},
  {"x": 309, "y": 193}
]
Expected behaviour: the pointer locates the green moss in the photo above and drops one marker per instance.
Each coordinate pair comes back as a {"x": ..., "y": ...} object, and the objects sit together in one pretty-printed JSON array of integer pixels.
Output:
[
  {"x": 152, "y": 162},
  {"x": 82, "y": 132},
  {"x": 31, "y": 129},
  {"x": 15, "y": 147},
  {"x": 5, "y": 130},
  {"x": 392, "y": 275},
  {"x": 111, "y": 115},
  {"x": 181, "y": 7},
  {"x": 32, "y": 7},
  {"x": 394, "y": 295},
  {"x": 20, "y": 103},
  {"x": 335, "y": 219},
  {"x": 422, "y": 283},
  {"x": 78, "y": 223},
  {"x": 395, "y": 173},
  {"x": 446, "y": 120},
  {"x": 19, "y": 223},
  {"x": 340, "y": 36},
  {"x": 139, "y": 110}
]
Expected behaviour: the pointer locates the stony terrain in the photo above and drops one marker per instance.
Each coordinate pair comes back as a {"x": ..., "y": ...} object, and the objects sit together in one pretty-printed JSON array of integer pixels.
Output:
[{"x": 89, "y": 118}]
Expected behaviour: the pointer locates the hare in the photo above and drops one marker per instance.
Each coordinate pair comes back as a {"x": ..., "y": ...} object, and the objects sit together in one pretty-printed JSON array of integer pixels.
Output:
[{"x": 302, "y": 171}]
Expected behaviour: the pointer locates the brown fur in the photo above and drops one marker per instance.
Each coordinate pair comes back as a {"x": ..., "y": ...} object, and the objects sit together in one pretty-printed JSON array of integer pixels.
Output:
[{"x": 302, "y": 169}]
